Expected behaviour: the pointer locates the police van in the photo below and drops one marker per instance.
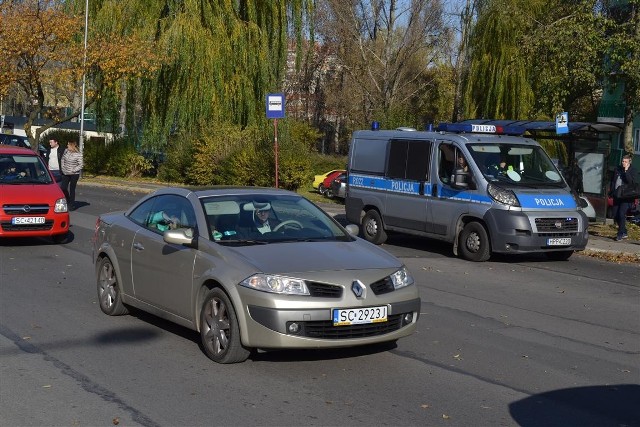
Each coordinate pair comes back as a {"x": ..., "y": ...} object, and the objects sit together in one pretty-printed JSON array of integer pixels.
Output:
[{"x": 483, "y": 188}]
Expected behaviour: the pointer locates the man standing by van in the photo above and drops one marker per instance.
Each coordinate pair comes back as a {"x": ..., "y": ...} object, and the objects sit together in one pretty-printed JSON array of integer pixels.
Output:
[
  {"x": 624, "y": 174},
  {"x": 54, "y": 157}
]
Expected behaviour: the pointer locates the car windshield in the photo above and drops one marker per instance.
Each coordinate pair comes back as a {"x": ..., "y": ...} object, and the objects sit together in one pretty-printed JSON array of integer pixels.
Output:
[
  {"x": 23, "y": 169},
  {"x": 268, "y": 218},
  {"x": 517, "y": 165}
]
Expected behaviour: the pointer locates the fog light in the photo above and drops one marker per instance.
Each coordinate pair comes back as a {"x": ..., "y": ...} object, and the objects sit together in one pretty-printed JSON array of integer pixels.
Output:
[
  {"x": 408, "y": 318},
  {"x": 294, "y": 328}
]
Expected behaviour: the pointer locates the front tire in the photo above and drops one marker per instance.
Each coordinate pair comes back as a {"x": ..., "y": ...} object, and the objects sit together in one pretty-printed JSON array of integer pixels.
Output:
[
  {"x": 474, "y": 242},
  {"x": 321, "y": 189},
  {"x": 372, "y": 229},
  {"x": 109, "y": 292},
  {"x": 219, "y": 330},
  {"x": 60, "y": 238}
]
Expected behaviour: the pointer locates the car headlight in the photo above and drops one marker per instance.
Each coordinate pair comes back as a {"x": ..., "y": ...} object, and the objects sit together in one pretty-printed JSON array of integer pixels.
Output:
[
  {"x": 276, "y": 284},
  {"x": 401, "y": 278},
  {"x": 60, "y": 206},
  {"x": 500, "y": 195}
]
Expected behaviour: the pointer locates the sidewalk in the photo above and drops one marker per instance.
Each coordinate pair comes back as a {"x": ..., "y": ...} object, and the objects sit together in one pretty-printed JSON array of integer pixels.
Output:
[
  {"x": 595, "y": 244},
  {"x": 606, "y": 244}
]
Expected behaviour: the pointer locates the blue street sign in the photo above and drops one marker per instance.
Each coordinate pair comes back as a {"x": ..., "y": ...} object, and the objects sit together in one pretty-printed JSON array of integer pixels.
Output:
[
  {"x": 562, "y": 123},
  {"x": 275, "y": 106}
]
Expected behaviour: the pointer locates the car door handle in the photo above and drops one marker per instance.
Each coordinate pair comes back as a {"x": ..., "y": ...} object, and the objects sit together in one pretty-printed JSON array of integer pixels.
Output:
[{"x": 138, "y": 246}]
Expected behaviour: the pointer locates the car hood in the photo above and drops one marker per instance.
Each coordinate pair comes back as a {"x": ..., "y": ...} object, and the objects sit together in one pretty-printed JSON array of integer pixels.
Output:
[
  {"x": 282, "y": 258},
  {"x": 30, "y": 193}
]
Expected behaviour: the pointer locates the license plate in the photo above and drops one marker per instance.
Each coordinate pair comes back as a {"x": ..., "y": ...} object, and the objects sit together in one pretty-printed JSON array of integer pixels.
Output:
[
  {"x": 356, "y": 316},
  {"x": 560, "y": 241},
  {"x": 27, "y": 220}
]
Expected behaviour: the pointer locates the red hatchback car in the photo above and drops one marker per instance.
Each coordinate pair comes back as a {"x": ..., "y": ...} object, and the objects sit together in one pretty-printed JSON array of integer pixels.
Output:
[
  {"x": 31, "y": 202},
  {"x": 326, "y": 183}
]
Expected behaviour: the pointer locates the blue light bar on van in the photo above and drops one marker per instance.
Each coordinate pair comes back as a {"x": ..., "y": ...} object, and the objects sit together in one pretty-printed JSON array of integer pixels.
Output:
[{"x": 479, "y": 128}]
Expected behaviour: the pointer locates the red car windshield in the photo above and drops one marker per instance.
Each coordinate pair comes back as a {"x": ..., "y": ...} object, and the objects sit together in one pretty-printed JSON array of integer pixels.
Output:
[{"x": 16, "y": 169}]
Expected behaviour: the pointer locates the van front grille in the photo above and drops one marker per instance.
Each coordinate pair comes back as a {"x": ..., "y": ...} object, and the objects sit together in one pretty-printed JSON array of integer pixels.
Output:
[{"x": 557, "y": 225}]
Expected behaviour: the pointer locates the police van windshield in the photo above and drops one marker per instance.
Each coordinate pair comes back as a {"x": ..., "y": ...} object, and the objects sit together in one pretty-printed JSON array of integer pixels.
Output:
[{"x": 515, "y": 164}]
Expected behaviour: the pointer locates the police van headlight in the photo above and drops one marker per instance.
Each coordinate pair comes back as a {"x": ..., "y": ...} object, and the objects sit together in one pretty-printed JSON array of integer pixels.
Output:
[{"x": 500, "y": 195}]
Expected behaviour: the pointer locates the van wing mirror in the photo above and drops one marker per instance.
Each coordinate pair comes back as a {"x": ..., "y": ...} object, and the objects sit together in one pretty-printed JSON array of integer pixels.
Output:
[{"x": 463, "y": 180}]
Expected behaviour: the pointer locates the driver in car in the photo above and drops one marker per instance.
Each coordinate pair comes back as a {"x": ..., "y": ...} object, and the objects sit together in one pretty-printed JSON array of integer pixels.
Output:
[{"x": 262, "y": 218}]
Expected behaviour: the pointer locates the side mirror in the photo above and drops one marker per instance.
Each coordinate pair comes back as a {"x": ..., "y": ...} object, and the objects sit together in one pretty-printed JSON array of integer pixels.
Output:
[
  {"x": 353, "y": 229},
  {"x": 460, "y": 179},
  {"x": 180, "y": 236}
]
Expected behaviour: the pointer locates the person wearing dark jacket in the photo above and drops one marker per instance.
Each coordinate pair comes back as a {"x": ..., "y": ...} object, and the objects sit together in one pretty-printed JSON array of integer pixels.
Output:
[{"x": 623, "y": 174}]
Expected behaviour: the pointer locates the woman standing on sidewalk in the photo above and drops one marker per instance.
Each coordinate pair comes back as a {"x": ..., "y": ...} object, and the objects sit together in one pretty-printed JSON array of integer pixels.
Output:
[
  {"x": 624, "y": 174},
  {"x": 71, "y": 167}
]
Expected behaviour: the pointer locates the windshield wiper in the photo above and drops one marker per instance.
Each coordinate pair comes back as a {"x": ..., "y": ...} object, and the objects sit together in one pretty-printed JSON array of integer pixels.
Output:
[{"x": 242, "y": 242}]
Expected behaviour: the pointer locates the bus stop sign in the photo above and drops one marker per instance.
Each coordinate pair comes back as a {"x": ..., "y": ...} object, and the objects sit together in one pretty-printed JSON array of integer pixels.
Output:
[{"x": 275, "y": 106}]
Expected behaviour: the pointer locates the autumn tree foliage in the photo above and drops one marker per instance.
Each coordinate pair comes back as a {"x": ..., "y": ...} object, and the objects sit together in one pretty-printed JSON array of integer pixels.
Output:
[
  {"x": 44, "y": 59},
  {"x": 389, "y": 54}
]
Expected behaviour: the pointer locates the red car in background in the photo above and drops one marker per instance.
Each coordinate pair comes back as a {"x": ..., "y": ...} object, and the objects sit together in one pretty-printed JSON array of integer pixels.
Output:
[
  {"x": 31, "y": 202},
  {"x": 326, "y": 183}
]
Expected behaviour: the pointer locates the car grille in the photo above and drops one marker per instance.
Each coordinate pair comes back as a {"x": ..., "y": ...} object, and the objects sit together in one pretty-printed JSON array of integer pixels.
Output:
[
  {"x": 7, "y": 226},
  {"x": 324, "y": 329},
  {"x": 382, "y": 286},
  {"x": 557, "y": 226},
  {"x": 317, "y": 289},
  {"x": 31, "y": 209},
  {"x": 324, "y": 290}
]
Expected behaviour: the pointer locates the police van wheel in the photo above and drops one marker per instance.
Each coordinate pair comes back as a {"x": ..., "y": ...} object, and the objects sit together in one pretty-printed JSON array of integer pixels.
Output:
[
  {"x": 372, "y": 229},
  {"x": 474, "y": 242}
]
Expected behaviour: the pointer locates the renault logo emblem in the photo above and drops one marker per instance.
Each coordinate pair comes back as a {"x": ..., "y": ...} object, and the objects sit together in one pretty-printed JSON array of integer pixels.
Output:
[{"x": 358, "y": 288}]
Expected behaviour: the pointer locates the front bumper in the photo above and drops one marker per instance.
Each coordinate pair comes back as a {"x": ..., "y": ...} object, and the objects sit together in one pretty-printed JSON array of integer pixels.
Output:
[
  {"x": 267, "y": 324},
  {"x": 55, "y": 224},
  {"x": 529, "y": 232}
]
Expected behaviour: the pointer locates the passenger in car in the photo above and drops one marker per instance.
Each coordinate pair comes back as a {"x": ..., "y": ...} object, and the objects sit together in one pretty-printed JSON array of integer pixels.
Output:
[{"x": 164, "y": 220}]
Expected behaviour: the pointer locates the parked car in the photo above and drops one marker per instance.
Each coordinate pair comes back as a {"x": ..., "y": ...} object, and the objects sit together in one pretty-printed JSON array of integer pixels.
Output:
[
  {"x": 306, "y": 283},
  {"x": 319, "y": 179},
  {"x": 326, "y": 183},
  {"x": 338, "y": 187},
  {"x": 20, "y": 141},
  {"x": 588, "y": 208},
  {"x": 33, "y": 205}
]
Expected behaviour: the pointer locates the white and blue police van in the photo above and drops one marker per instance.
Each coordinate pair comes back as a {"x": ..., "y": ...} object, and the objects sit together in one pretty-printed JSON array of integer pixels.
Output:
[{"x": 484, "y": 188}]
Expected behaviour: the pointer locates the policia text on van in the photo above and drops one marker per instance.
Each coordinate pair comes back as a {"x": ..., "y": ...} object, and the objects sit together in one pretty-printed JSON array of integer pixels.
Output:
[{"x": 476, "y": 186}]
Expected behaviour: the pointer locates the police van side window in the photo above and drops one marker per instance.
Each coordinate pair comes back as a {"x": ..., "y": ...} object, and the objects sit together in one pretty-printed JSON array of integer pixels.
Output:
[
  {"x": 397, "y": 164},
  {"x": 408, "y": 160},
  {"x": 418, "y": 161},
  {"x": 446, "y": 162}
]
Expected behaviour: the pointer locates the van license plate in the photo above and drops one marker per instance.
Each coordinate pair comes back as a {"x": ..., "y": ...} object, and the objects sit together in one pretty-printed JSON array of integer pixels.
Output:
[
  {"x": 355, "y": 316},
  {"x": 560, "y": 241},
  {"x": 27, "y": 220}
]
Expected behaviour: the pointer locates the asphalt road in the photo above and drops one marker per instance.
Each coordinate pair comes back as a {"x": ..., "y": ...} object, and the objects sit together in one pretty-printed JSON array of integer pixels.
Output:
[{"x": 513, "y": 341}]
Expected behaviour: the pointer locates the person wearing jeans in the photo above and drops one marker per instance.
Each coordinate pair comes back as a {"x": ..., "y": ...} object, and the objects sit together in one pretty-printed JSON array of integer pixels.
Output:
[
  {"x": 624, "y": 174},
  {"x": 71, "y": 166}
]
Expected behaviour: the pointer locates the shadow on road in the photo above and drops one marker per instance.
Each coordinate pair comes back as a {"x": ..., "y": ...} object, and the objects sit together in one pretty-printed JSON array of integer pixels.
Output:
[{"x": 613, "y": 405}]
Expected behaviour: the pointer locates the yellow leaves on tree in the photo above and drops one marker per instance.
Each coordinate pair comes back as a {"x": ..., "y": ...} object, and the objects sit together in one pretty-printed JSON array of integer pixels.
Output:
[{"x": 43, "y": 55}]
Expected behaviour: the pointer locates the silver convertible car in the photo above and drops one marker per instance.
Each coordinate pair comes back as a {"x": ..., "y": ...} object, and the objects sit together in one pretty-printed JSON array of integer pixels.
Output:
[{"x": 251, "y": 268}]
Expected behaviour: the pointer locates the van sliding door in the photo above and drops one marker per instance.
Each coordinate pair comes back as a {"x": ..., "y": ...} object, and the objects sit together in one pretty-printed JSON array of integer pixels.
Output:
[{"x": 407, "y": 170}]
